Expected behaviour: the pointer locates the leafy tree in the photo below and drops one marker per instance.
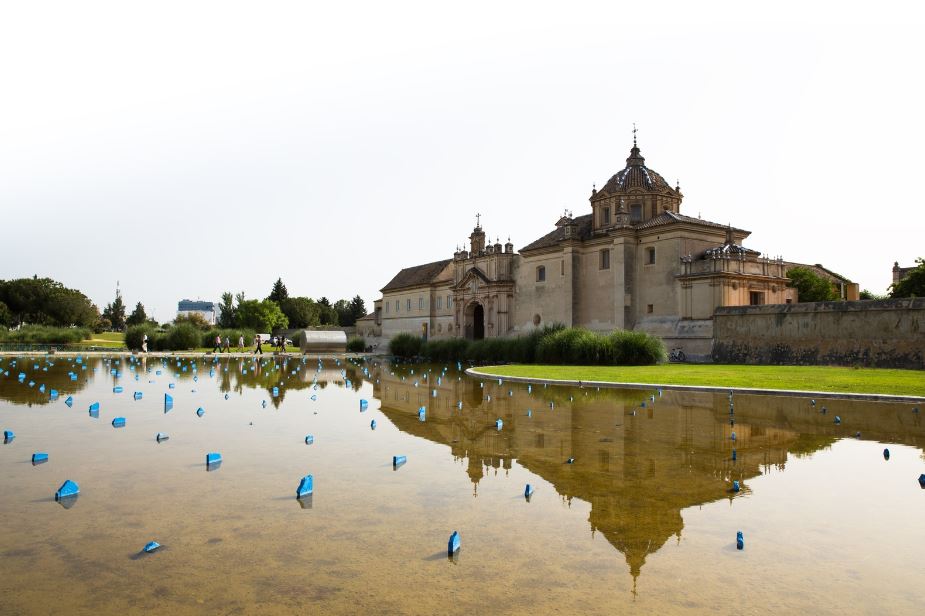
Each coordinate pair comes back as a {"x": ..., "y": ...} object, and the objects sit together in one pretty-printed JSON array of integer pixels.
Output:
[
  {"x": 6, "y": 317},
  {"x": 115, "y": 312},
  {"x": 43, "y": 301},
  {"x": 263, "y": 317},
  {"x": 279, "y": 292},
  {"x": 344, "y": 316},
  {"x": 865, "y": 294},
  {"x": 227, "y": 311},
  {"x": 102, "y": 325},
  {"x": 810, "y": 286},
  {"x": 912, "y": 284},
  {"x": 192, "y": 318},
  {"x": 357, "y": 308},
  {"x": 327, "y": 314},
  {"x": 301, "y": 311},
  {"x": 138, "y": 315}
]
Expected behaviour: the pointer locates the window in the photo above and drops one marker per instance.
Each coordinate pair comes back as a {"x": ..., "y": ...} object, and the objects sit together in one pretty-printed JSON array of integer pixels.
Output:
[
  {"x": 408, "y": 304},
  {"x": 650, "y": 308},
  {"x": 755, "y": 298},
  {"x": 420, "y": 303},
  {"x": 650, "y": 256},
  {"x": 397, "y": 305},
  {"x": 387, "y": 307},
  {"x": 605, "y": 259},
  {"x": 449, "y": 302},
  {"x": 562, "y": 267},
  {"x": 636, "y": 212},
  {"x": 605, "y": 216},
  {"x": 439, "y": 303},
  {"x": 541, "y": 273}
]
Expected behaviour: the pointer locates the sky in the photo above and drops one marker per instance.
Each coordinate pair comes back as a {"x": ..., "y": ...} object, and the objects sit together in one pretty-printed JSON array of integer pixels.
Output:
[{"x": 184, "y": 149}]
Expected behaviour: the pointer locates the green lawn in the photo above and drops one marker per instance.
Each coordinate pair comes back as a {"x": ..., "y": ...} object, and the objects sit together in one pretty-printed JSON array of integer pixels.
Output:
[
  {"x": 112, "y": 340},
  {"x": 807, "y": 378}
]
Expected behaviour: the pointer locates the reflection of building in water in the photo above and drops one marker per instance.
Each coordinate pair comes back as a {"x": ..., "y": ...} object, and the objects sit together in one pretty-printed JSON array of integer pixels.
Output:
[{"x": 637, "y": 472}]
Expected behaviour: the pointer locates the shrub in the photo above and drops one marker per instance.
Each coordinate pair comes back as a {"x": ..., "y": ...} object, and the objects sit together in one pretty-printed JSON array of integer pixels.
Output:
[
  {"x": 183, "y": 337},
  {"x": 636, "y": 348},
  {"x": 405, "y": 345},
  {"x": 134, "y": 336},
  {"x": 356, "y": 344},
  {"x": 42, "y": 334}
]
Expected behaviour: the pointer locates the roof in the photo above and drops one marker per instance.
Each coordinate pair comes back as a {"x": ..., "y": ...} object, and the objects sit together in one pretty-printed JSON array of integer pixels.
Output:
[
  {"x": 819, "y": 271},
  {"x": 584, "y": 228},
  {"x": 416, "y": 276},
  {"x": 636, "y": 175},
  {"x": 188, "y": 304}
]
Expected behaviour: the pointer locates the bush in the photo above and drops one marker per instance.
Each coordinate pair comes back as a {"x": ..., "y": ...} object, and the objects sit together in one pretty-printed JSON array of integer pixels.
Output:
[
  {"x": 356, "y": 345},
  {"x": 635, "y": 348},
  {"x": 135, "y": 335},
  {"x": 183, "y": 337},
  {"x": 405, "y": 345},
  {"x": 42, "y": 334}
]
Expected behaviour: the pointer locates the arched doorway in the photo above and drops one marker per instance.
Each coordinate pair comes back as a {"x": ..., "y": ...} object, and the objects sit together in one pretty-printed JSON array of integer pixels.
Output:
[{"x": 478, "y": 322}]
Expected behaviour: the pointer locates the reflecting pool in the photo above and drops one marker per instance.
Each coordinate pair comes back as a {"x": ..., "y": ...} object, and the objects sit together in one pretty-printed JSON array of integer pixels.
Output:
[{"x": 633, "y": 505}]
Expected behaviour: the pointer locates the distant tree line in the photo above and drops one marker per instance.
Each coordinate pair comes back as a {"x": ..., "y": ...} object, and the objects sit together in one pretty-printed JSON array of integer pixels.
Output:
[{"x": 43, "y": 301}]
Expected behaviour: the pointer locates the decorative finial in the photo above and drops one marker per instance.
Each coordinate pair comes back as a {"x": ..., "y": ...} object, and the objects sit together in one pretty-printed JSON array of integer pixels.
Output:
[
  {"x": 635, "y": 130},
  {"x": 477, "y": 220}
]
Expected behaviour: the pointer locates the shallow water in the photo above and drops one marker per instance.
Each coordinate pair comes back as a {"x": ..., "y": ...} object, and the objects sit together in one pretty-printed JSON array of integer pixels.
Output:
[{"x": 644, "y": 518}]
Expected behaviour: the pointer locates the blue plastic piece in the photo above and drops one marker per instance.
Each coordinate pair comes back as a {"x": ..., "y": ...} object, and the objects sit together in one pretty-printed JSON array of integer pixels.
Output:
[
  {"x": 168, "y": 402},
  {"x": 364, "y": 404},
  {"x": 733, "y": 455},
  {"x": 117, "y": 389},
  {"x": 886, "y": 454},
  {"x": 735, "y": 486},
  {"x": 42, "y": 388},
  {"x": 213, "y": 458},
  {"x": 453, "y": 544},
  {"x": 39, "y": 458},
  {"x": 8, "y": 436},
  {"x": 152, "y": 546},
  {"x": 200, "y": 412},
  {"x": 372, "y": 425},
  {"x": 137, "y": 395},
  {"x": 309, "y": 439},
  {"x": 499, "y": 424},
  {"x": 53, "y": 393},
  {"x": 837, "y": 419},
  {"x": 172, "y": 386},
  {"x": 95, "y": 407},
  {"x": 733, "y": 436},
  {"x": 118, "y": 422},
  {"x": 422, "y": 414},
  {"x": 68, "y": 489},
  {"x": 399, "y": 460},
  {"x": 275, "y": 392},
  {"x": 226, "y": 396},
  {"x": 306, "y": 486},
  {"x": 529, "y": 413},
  {"x": 740, "y": 541},
  {"x": 161, "y": 436},
  {"x": 528, "y": 491},
  {"x": 922, "y": 480}
]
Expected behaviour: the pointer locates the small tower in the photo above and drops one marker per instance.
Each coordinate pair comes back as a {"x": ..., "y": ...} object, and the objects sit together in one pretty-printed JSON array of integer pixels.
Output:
[{"x": 477, "y": 239}]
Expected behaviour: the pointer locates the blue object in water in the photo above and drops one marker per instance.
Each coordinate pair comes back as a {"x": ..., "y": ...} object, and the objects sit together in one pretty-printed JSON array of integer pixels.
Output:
[
  {"x": 812, "y": 402},
  {"x": 740, "y": 541},
  {"x": 422, "y": 414},
  {"x": 528, "y": 491},
  {"x": 172, "y": 386},
  {"x": 226, "y": 396},
  {"x": 398, "y": 460},
  {"x": 309, "y": 439},
  {"x": 886, "y": 454},
  {"x": 275, "y": 392},
  {"x": 733, "y": 436},
  {"x": 117, "y": 389},
  {"x": 161, "y": 436},
  {"x": 263, "y": 404},
  {"x": 39, "y": 457},
  {"x": 499, "y": 424},
  {"x": 529, "y": 413},
  {"x": 137, "y": 395},
  {"x": 200, "y": 412},
  {"x": 95, "y": 407},
  {"x": 118, "y": 422},
  {"x": 837, "y": 419},
  {"x": 363, "y": 405},
  {"x": 735, "y": 486},
  {"x": 213, "y": 458},
  {"x": 306, "y": 486},
  {"x": 8, "y": 436},
  {"x": 42, "y": 388},
  {"x": 68, "y": 489},
  {"x": 70, "y": 401},
  {"x": 152, "y": 546},
  {"x": 453, "y": 544},
  {"x": 922, "y": 480},
  {"x": 733, "y": 455},
  {"x": 372, "y": 425},
  {"x": 168, "y": 402}
]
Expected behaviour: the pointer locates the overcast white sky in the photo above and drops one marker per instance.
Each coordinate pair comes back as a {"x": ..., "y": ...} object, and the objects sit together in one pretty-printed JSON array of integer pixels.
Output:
[{"x": 187, "y": 148}]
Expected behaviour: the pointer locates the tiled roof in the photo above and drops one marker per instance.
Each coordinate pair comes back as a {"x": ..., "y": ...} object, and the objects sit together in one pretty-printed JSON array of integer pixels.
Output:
[
  {"x": 416, "y": 276},
  {"x": 554, "y": 237},
  {"x": 667, "y": 218},
  {"x": 636, "y": 175}
]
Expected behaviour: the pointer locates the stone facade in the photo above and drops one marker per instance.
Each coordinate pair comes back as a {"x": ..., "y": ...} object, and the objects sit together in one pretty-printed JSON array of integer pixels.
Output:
[{"x": 633, "y": 262}]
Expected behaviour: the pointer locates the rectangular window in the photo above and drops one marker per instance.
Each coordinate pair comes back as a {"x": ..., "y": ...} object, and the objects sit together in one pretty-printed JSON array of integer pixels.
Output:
[
  {"x": 541, "y": 273},
  {"x": 387, "y": 307},
  {"x": 449, "y": 302},
  {"x": 650, "y": 308},
  {"x": 408, "y": 305},
  {"x": 439, "y": 303},
  {"x": 397, "y": 305},
  {"x": 605, "y": 217},
  {"x": 605, "y": 259},
  {"x": 562, "y": 267},
  {"x": 755, "y": 298},
  {"x": 420, "y": 303},
  {"x": 636, "y": 212},
  {"x": 650, "y": 256}
]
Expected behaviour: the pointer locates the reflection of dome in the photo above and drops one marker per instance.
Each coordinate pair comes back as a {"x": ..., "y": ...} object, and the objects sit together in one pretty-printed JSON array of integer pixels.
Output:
[{"x": 636, "y": 175}]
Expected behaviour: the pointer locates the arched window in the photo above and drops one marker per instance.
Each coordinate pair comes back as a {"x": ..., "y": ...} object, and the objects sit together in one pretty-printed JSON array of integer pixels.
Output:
[{"x": 541, "y": 273}]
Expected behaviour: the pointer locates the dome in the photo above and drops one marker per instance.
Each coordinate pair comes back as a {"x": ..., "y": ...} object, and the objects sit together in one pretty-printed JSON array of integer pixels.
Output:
[{"x": 636, "y": 175}]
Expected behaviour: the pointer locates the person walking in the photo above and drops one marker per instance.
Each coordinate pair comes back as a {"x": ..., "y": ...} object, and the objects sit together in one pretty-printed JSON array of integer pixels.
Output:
[
  {"x": 218, "y": 344},
  {"x": 227, "y": 348},
  {"x": 258, "y": 349},
  {"x": 241, "y": 343},
  {"x": 144, "y": 344}
]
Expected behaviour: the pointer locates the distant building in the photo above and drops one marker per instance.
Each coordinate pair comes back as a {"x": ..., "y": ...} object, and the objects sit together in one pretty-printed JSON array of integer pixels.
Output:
[
  {"x": 901, "y": 272},
  {"x": 207, "y": 310}
]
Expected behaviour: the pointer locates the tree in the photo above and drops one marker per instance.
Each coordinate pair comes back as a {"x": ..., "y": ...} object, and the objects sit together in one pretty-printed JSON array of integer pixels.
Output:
[
  {"x": 342, "y": 308},
  {"x": 327, "y": 313},
  {"x": 912, "y": 284},
  {"x": 227, "y": 311},
  {"x": 138, "y": 315},
  {"x": 6, "y": 317},
  {"x": 279, "y": 292},
  {"x": 810, "y": 286},
  {"x": 357, "y": 308},
  {"x": 263, "y": 317},
  {"x": 193, "y": 318},
  {"x": 115, "y": 312},
  {"x": 865, "y": 294},
  {"x": 301, "y": 311}
]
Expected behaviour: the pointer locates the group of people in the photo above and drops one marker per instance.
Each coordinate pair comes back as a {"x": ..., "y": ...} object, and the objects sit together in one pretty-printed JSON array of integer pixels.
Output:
[
  {"x": 278, "y": 343},
  {"x": 225, "y": 346}
]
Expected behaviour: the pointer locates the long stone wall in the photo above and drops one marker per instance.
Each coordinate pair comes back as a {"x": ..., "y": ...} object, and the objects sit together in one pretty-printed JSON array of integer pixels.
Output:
[{"x": 885, "y": 333}]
